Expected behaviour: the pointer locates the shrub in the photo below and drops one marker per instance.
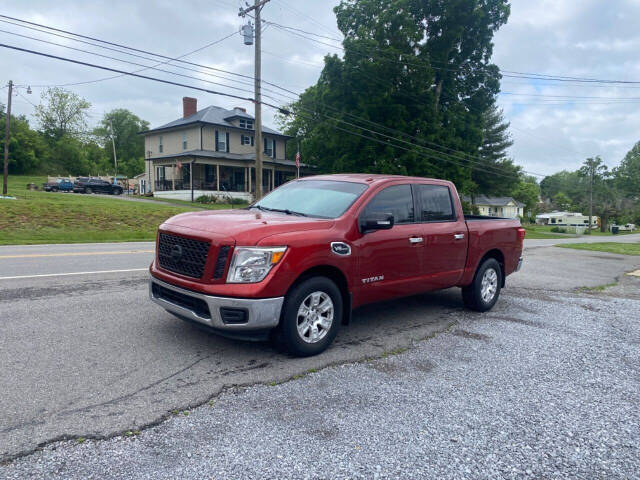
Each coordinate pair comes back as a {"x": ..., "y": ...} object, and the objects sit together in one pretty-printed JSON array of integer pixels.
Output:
[
  {"x": 207, "y": 199},
  {"x": 558, "y": 230}
]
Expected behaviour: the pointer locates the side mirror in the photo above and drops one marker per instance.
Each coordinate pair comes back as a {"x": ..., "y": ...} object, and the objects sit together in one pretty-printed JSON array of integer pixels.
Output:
[{"x": 373, "y": 222}]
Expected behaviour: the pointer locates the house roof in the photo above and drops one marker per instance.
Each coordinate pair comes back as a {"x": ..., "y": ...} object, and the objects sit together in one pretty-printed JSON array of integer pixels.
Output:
[
  {"x": 493, "y": 201},
  {"x": 228, "y": 156},
  {"x": 212, "y": 116}
]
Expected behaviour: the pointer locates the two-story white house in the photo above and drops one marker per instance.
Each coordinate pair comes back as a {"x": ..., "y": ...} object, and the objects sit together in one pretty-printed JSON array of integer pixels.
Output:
[{"x": 211, "y": 152}]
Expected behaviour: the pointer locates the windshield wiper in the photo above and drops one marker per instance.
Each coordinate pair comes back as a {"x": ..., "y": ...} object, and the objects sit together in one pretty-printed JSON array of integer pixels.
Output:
[{"x": 280, "y": 210}]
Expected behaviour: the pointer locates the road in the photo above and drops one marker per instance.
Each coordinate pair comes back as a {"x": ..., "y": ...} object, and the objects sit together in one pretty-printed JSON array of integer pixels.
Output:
[{"x": 87, "y": 355}]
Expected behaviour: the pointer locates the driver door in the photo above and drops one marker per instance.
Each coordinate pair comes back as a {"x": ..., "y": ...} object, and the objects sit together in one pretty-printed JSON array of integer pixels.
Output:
[{"x": 389, "y": 261}]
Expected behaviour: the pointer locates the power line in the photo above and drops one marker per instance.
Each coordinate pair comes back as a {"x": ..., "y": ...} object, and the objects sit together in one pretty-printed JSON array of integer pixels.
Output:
[
  {"x": 506, "y": 73},
  {"x": 131, "y": 74},
  {"x": 145, "y": 67}
]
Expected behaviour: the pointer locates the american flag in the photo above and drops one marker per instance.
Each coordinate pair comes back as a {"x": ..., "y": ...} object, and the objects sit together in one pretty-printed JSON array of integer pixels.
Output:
[{"x": 298, "y": 160}]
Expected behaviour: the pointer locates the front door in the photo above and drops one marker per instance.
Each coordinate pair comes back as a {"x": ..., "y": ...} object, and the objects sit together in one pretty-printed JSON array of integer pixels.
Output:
[
  {"x": 445, "y": 237},
  {"x": 389, "y": 260}
]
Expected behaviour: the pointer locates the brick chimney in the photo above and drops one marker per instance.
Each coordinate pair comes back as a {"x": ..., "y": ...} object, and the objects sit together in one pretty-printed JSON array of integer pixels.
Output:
[
  {"x": 241, "y": 109},
  {"x": 189, "y": 106}
]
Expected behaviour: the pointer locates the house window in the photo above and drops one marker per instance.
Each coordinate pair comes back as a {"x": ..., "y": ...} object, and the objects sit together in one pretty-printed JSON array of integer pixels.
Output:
[
  {"x": 221, "y": 141},
  {"x": 553, "y": 220},
  {"x": 160, "y": 174},
  {"x": 246, "y": 139},
  {"x": 184, "y": 140},
  {"x": 246, "y": 123},
  {"x": 160, "y": 144},
  {"x": 269, "y": 147}
]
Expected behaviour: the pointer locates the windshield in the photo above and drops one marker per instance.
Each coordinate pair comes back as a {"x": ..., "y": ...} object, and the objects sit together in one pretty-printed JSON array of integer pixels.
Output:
[{"x": 315, "y": 198}]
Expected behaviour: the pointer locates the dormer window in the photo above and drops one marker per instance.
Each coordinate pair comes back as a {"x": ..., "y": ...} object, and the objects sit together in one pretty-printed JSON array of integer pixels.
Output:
[{"x": 246, "y": 123}]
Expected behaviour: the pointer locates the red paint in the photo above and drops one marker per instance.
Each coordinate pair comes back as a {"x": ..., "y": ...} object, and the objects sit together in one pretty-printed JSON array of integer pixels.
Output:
[{"x": 440, "y": 261}]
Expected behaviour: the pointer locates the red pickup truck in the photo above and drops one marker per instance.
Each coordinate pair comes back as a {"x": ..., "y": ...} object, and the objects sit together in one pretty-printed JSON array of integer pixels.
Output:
[{"x": 294, "y": 265}]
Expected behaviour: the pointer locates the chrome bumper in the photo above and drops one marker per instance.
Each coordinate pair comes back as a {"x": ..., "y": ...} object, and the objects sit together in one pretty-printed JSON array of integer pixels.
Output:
[
  {"x": 519, "y": 265},
  {"x": 261, "y": 313}
]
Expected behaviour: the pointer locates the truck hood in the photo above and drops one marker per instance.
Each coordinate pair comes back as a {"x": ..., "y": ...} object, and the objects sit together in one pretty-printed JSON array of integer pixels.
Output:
[{"x": 247, "y": 227}]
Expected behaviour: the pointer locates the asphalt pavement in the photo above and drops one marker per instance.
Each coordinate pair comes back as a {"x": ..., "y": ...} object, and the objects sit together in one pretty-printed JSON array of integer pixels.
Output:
[{"x": 88, "y": 356}]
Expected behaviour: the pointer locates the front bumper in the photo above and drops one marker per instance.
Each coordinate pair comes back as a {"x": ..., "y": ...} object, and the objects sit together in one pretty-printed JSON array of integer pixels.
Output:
[{"x": 241, "y": 314}]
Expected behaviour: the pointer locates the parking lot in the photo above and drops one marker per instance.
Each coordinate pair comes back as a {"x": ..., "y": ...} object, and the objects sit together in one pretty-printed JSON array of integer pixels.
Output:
[{"x": 544, "y": 385}]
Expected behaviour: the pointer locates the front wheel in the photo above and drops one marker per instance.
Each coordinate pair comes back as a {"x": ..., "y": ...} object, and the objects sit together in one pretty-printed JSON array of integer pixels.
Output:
[
  {"x": 88, "y": 190},
  {"x": 484, "y": 291},
  {"x": 311, "y": 315}
]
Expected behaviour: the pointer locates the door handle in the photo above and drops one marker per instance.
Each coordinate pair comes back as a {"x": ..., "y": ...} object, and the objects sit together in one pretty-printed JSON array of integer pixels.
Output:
[
  {"x": 416, "y": 239},
  {"x": 459, "y": 236}
]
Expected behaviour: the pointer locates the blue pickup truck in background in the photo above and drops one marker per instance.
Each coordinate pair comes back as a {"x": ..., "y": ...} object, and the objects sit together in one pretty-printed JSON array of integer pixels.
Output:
[{"x": 60, "y": 185}]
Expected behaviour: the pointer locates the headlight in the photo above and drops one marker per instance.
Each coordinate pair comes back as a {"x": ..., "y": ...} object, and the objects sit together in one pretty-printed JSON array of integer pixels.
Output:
[{"x": 252, "y": 264}]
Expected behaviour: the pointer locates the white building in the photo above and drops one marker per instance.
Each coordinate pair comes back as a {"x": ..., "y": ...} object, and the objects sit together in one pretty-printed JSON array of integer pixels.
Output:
[
  {"x": 566, "y": 219},
  {"x": 497, "y": 206}
]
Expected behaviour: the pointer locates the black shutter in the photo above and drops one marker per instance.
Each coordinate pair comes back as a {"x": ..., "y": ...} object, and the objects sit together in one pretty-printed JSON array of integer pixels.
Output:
[
  {"x": 274, "y": 148},
  {"x": 216, "y": 140},
  {"x": 252, "y": 144},
  {"x": 227, "y": 142},
  {"x": 265, "y": 144}
]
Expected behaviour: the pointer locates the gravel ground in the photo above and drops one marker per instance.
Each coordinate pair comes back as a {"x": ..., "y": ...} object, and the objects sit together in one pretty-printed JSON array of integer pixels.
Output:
[{"x": 544, "y": 386}]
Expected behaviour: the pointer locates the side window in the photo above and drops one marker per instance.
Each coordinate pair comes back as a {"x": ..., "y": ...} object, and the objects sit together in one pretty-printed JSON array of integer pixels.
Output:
[
  {"x": 396, "y": 200},
  {"x": 436, "y": 203}
]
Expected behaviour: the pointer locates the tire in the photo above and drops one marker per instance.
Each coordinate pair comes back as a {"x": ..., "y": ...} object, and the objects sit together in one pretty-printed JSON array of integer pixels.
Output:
[
  {"x": 88, "y": 191},
  {"x": 117, "y": 191},
  {"x": 489, "y": 273},
  {"x": 296, "y": 330}
]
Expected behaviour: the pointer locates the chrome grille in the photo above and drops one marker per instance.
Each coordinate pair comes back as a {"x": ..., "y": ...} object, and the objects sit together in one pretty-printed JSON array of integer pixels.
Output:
[{"x": 182, "y": 255}]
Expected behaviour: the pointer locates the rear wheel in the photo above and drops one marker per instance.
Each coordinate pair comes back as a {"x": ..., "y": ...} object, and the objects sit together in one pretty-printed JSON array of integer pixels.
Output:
[
  {"x": 311, "y": 315},
  {"x": 88, "y": 190},
  {"x": 484, "y": 291}
]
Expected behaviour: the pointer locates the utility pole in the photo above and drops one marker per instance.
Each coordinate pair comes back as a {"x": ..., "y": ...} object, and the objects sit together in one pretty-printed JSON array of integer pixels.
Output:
[
  {"x": 6, "y": 140},
  {"x": 113, "y": 144},
  {"x": 591, "y": 167},
  {"x": 257, "y": 6}
]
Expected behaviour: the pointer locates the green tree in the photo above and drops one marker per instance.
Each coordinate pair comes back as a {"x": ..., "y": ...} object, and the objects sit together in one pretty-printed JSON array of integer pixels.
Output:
[
  {"x": 627, "y": 174},
  {"x": 129, "y": 145},
  {"x": 498, "y": 175},
  {"x": 527, "y": 191},
  {"x": 418, "y": 67},
  {"x": 62, "y": 113},
  {"x": 26, "y": 147},
  {"x": 561, "y": 201}
]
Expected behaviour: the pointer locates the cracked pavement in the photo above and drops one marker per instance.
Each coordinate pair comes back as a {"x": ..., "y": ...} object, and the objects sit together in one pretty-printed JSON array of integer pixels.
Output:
[{"x": 91, "y": 357}]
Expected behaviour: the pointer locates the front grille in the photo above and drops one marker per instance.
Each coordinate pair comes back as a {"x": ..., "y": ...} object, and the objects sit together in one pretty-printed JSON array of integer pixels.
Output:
[
  {"x": 182, "y": 255},
  {"x": 196, "y": 305}
]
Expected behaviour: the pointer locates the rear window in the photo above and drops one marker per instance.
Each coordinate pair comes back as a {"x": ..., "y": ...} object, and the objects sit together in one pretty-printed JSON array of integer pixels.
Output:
[{"x": 436, "y": 204}]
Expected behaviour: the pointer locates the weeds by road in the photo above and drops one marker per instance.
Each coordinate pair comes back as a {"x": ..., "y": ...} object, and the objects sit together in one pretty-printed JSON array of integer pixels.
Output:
[{"x": 610, "y": 247}]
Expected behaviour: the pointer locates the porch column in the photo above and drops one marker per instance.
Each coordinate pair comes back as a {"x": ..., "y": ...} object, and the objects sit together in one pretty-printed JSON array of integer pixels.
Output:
[
  {"x": 173, "y": 177},
  {"x": 191, "y": 177},
  {"x": 249, "y": 176},
  {"x": 273, "y": 178},
  {"x": 246, "y": 179},
  {"x": 217, "y": 177}
]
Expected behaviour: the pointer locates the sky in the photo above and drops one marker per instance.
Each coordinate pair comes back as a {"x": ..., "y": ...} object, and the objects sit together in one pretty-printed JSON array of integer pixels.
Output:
[{"x": 551, "y": 132}]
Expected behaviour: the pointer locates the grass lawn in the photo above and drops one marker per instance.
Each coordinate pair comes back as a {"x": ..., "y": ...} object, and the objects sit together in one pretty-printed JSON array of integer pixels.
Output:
[
  {"x": 541, "y": 231},
  {"x": 544, "y": 231},
  {"x": 44, "y": 217},
  {"x": 610, "y": 247}
]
